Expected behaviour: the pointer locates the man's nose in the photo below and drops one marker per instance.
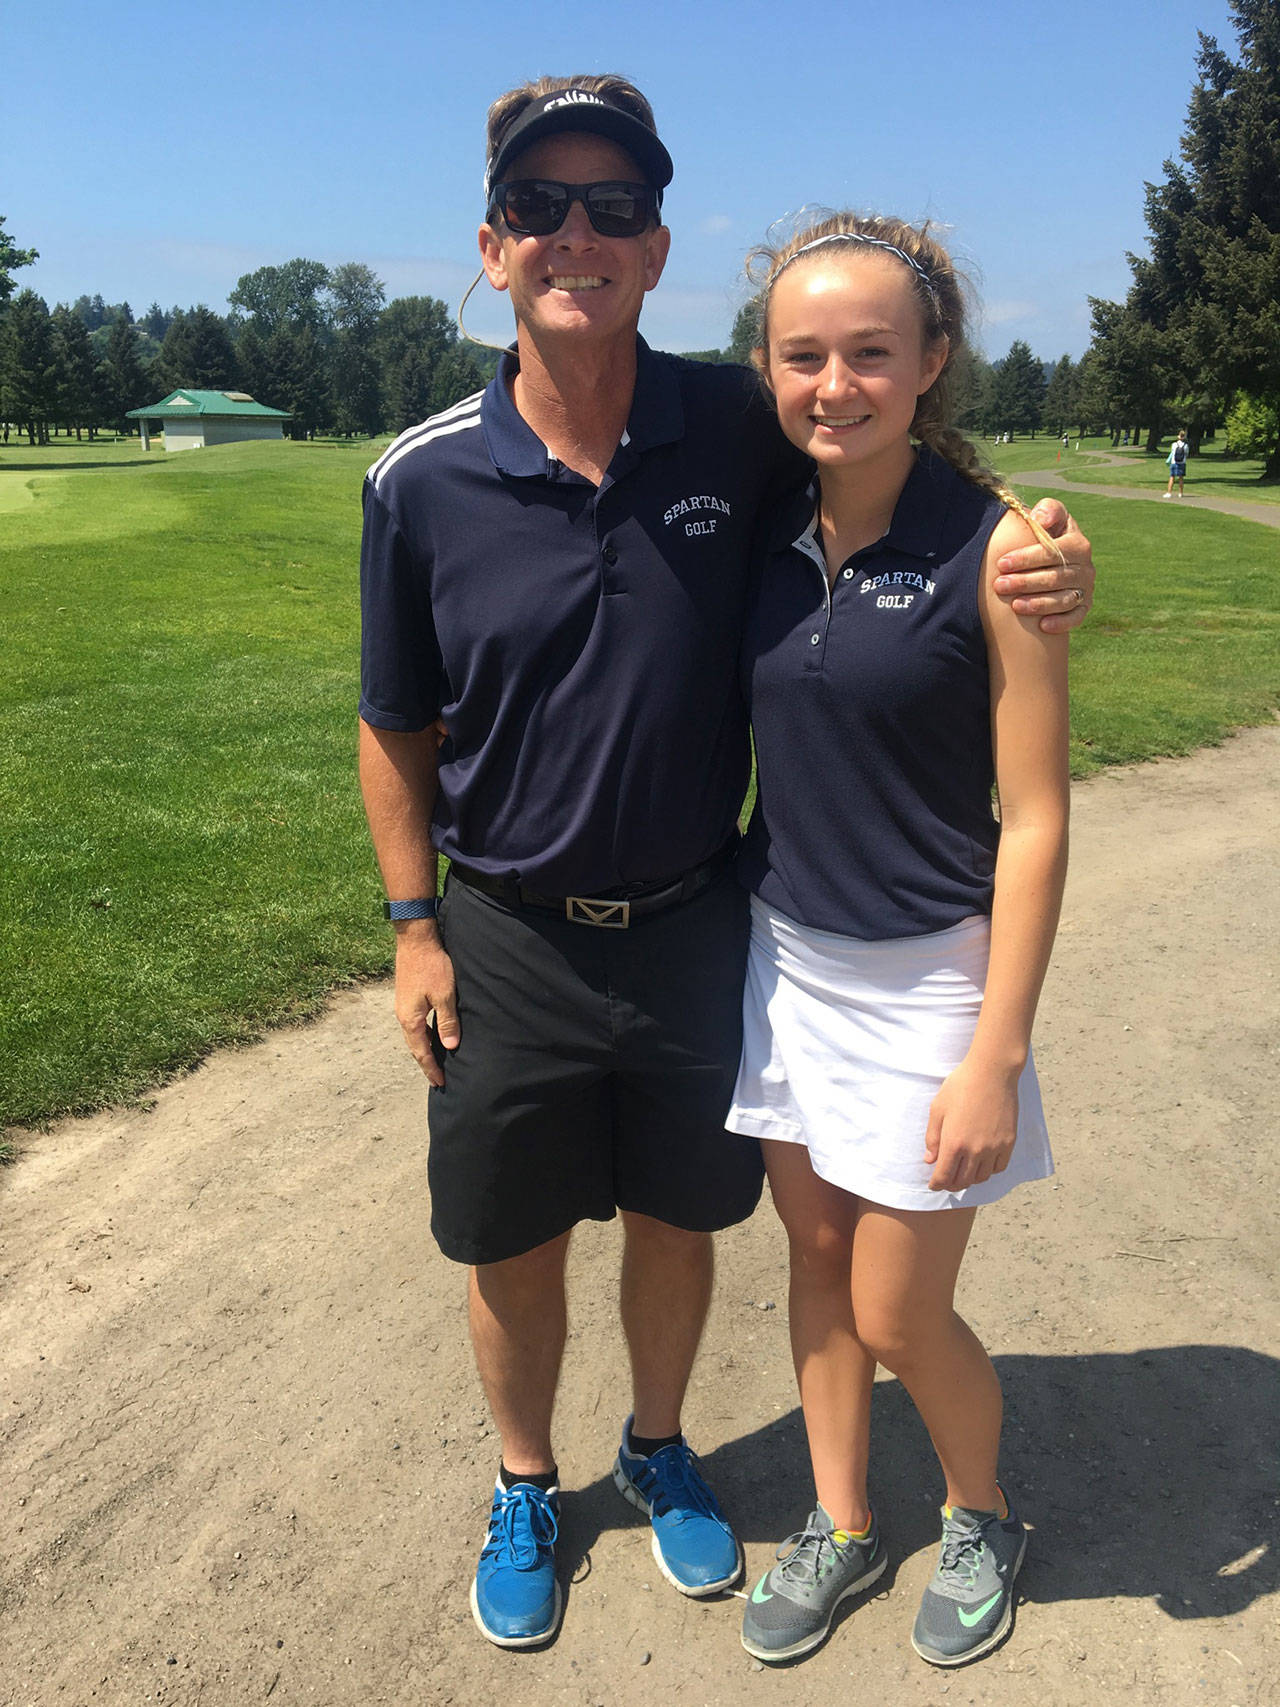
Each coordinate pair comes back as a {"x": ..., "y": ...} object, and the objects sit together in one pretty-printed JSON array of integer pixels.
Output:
[{"x": 577, "y": 227}]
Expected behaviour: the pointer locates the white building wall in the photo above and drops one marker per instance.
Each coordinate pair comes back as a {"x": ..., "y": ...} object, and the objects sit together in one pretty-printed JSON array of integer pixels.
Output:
[
  {"x": 229, "y": 429},
  {"x": 183, "y": 434}
]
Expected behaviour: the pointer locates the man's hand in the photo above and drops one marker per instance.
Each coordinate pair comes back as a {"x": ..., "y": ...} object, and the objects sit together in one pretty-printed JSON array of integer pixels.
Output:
[
  {"x": 424, "y": 983},
  {"x": 1036, "y": 584}
]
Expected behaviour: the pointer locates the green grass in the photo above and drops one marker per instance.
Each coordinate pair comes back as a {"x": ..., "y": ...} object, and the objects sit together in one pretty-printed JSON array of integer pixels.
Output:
[
  {"x": 1184, "y": 640},
  {"x": 1209, "y": 474},
  {"x": 185, "y": 859},
  {"x": 1022, "y": 454}
]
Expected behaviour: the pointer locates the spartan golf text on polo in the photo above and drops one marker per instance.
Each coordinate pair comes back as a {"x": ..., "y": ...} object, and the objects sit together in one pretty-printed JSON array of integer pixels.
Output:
[{"x": 579, "y": 643}]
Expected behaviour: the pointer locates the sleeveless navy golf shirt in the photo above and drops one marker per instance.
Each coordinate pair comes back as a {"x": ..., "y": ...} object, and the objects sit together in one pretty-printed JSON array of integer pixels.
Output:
[{"x": 870, "y": 705}]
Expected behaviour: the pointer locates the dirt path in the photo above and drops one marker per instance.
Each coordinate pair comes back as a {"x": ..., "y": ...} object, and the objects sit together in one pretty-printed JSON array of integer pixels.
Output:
[{"x": 246, "y": 1460}]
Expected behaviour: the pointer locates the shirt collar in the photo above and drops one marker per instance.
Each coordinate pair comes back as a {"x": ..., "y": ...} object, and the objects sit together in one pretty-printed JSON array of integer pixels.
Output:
[
  {"x": 656, "y": 416},
  {"x": 919, "y": 516}
]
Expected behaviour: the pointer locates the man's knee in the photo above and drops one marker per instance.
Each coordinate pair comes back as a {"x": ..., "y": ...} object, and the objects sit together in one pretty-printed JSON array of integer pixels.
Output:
[
  {"x": 654, "y": 1243},
  {"x": 527, "y": 1275}
]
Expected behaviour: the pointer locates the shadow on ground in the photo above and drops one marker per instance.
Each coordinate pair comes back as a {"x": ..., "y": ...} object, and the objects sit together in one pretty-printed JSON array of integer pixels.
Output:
[
  {"x": 50, "y": 466},
  {"x": 1150, "y": 1474}
]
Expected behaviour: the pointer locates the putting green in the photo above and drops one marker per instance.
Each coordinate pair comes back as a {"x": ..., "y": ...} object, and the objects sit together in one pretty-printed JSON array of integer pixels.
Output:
[{"x": 15, "y": 490}]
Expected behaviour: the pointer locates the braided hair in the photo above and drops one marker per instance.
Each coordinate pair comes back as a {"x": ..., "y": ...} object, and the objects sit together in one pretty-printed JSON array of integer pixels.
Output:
[{"x": 939, "y": 291}]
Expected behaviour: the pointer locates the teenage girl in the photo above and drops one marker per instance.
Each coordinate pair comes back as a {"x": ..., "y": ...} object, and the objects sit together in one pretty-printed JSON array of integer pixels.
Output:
[{"x": 900, "y": 932}]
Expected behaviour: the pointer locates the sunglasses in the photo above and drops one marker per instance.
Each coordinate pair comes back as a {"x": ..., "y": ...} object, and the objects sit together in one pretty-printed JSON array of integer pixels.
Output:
[{"x": 535, "y": 207}]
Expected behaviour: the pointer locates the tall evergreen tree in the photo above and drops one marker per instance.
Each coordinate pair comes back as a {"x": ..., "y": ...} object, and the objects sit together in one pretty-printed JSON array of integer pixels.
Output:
[
  {"x": 1059, "y": 405},
  {"x": 197, "y": 351},
  {"x": 458, "y": 374},
  {"x": 75, "y": 375},
  {"x": 415, "y": 334},
  {"x": 296, "y": 378},
  {"x": 1210, "y": 284},
  {"x": 28, "y": 366},
  {"x": 124, "y": 382},
  {"x": 1017, "y": 393},
  {"x": 1133, "y": 365},
  {"x": 745, "y": 333}
]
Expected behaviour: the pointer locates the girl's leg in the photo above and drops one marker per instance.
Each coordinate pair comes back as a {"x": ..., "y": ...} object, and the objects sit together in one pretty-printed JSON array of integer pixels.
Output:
[
  {"x": 833, "y": 1369},
  {"x": 905, "y": 1264}
]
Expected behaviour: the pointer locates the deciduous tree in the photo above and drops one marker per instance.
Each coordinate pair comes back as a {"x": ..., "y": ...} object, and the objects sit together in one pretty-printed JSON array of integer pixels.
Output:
[
  {"x": 357, "y": 295},
  {"x": 11, "y": 258}
]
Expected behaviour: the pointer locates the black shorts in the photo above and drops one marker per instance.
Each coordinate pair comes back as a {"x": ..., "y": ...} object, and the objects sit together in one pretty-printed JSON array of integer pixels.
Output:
[{"x": 594, "y": 1074}]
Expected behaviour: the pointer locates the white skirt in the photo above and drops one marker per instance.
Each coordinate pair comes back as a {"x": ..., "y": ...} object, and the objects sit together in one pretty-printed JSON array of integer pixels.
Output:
[{"x": 845, "y": 1044}]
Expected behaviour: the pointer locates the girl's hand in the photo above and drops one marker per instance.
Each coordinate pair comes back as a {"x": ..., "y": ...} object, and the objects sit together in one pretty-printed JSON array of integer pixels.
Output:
[{"x": 973, "y": 1125}]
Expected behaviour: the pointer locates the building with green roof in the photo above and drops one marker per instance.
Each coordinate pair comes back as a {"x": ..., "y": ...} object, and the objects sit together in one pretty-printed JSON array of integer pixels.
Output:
[{"x": 191, "y": 419}]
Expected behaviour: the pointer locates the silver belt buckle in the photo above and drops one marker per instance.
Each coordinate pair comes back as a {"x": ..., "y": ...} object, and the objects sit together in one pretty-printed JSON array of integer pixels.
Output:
[{"x": 606, "y": 915}]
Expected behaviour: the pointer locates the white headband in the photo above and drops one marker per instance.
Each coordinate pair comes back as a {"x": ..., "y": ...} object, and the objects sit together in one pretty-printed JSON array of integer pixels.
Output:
[{"x": 860, "y": 237}]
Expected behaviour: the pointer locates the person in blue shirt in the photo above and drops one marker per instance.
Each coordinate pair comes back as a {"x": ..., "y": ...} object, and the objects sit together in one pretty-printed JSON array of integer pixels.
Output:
[
  {"x": 557, "y": 570},
  {"x": 900, "y": 933}
]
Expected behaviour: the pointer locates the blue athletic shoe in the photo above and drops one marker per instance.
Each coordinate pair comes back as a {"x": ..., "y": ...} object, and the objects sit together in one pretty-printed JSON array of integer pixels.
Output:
[
  {"x": 694, "y": 1547},
  {"x": 515, "y": 1598}
]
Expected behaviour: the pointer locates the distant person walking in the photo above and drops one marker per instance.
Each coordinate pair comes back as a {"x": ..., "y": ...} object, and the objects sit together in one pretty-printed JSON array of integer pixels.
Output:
[{"x": 1177, "y": 460}]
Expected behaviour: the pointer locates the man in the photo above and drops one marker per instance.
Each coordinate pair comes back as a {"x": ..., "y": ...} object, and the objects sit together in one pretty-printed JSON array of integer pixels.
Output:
[{"x": 557, "y": 572}]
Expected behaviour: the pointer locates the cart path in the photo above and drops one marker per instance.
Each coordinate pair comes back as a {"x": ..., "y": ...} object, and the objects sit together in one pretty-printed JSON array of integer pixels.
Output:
[
  {"x": 246, "y": 1460},
  {"x": 1267, "y": 514}
]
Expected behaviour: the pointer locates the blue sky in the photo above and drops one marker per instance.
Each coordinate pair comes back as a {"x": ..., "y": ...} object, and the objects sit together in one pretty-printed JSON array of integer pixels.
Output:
[{"x": 151, "y": 153}]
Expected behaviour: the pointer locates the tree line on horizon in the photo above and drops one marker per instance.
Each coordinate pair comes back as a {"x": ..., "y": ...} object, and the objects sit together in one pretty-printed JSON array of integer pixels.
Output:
[
  {"x": 320, "y": 342},
  {"x": 1195, "y": 343}
]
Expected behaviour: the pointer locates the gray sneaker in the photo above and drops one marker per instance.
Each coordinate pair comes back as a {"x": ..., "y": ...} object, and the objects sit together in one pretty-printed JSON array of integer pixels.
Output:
[
  {"x": 968, "y": 1606},
  {"x": 790, "y": 1609}
]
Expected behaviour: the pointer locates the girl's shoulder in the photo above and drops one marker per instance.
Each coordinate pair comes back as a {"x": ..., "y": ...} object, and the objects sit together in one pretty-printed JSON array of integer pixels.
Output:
[{"x": 1010, "y": 533}]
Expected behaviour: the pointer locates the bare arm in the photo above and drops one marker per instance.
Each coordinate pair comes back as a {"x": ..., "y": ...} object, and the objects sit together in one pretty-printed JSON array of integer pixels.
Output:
[
  {"x": 973, "y": 1121},
  {"x": 398, "y": 781},
  {"x": 1060, "y": 594}
]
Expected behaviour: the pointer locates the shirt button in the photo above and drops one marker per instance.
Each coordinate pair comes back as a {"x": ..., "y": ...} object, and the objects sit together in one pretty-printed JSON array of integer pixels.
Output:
[
  {"x": 848, "y": 574},
  {"x": 815, "y": 640},
  {"x": 610, "y": 554}
]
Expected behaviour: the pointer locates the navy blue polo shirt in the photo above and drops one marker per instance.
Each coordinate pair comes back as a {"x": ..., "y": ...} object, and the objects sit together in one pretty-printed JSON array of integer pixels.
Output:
[
  {"x": 580, "y": 643},
  {"x": 871, "y": 707}
]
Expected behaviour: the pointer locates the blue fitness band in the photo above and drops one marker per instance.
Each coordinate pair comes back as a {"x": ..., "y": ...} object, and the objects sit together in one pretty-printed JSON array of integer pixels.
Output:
[{"x": 425, "y": 907}]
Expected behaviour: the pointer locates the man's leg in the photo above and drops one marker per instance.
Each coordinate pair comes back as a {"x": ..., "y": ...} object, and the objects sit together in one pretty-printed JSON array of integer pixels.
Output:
[
  {"x": 678, "y": 1176},
  {"x": 518, "y": 1334},
  {"x": 519, "y": 1154},
  {"x": 666, "y": 1292}
]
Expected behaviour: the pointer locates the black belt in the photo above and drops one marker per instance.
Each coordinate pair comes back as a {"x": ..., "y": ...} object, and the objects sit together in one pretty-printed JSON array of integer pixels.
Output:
[{"x": 612, "y": 910}]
